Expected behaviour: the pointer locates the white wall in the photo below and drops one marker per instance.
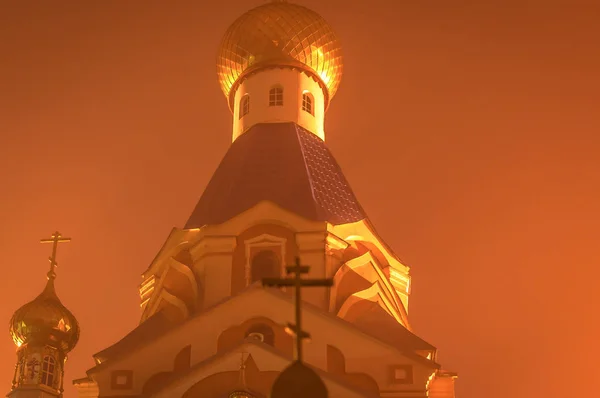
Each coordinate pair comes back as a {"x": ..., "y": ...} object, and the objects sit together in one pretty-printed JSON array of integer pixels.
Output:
[{"x": 294, "y": 84}]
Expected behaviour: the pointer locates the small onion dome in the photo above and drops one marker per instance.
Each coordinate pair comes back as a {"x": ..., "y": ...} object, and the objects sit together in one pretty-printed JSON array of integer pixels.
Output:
[
  {"x": 280, "y": 34},
  {"x": 45, "y": 320},
  {"x": 241, "y": 394},
  {"x": 298, "y": 381}
]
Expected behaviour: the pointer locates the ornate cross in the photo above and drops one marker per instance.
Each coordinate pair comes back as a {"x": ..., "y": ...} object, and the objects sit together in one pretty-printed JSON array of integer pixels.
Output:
[
  {"x": 298, "y": 283},
  {"x": 55, "y": 240}
]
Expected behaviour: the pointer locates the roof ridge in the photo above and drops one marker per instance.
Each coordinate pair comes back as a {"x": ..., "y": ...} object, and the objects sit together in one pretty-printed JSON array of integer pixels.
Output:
[{"x": 307, "y": 170}]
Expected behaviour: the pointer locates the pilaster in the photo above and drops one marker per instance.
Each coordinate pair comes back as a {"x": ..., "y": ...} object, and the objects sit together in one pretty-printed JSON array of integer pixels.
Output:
[
  {"x": 213, "y": 263},
  {"x": 334, "y": 248},
  {"x": 311, "y": 250}
]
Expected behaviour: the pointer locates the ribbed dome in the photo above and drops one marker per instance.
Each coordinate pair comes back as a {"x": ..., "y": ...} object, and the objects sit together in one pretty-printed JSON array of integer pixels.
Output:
[
  {"x": 298, "y": 381},
  {"x": 280, "y": 34},
  {"x": 45, "y": 320}
]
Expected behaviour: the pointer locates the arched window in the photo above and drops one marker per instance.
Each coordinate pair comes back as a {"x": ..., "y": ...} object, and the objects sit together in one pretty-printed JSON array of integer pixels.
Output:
[
  {"x": 265, "y": 264},
  {"x": 276, "y": 96},
  {"x": 48, "y": 370},
  {"x": 308, "y": 103},
  {"x": 244, "y": 105},
  {"x": 262, "y": 333}
]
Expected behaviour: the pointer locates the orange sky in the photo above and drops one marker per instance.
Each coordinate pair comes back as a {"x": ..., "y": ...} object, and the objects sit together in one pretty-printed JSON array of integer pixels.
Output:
[{"x": 469, "y": 130}]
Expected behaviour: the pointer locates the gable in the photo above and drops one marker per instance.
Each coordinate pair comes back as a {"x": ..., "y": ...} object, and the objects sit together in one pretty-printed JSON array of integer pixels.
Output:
[
  {"x": 215, "y": 377},
  {"x": 325, "y": 329}
]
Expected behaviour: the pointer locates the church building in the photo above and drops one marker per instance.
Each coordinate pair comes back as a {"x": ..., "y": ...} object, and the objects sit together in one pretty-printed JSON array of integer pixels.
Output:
[{"x": 219, "y": 300}]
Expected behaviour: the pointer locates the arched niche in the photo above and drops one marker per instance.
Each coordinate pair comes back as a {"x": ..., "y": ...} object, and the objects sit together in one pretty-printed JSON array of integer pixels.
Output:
[
  {"x": 261, "y": 332},
  {"x": 264, "y": 264},
  {"x": 264, "y": 236},
  {"x": 336, "y": 365},
  {"x": 156, "y": 382},
  {"x": 234, "y": 335}
]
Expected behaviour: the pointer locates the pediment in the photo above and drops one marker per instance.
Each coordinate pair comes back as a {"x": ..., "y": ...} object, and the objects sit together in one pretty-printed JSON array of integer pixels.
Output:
[
  {"x": 256, "y": 301},
  {"x": 218, "y": 375},
  {"x": 272, "y": 303}
]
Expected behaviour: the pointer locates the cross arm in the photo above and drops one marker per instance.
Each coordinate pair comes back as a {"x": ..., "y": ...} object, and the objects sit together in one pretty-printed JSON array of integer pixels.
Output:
[{"x": 61, "y": 240}]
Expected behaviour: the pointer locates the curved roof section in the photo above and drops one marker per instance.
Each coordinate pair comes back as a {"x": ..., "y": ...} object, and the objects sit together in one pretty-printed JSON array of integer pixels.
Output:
[
  {"x": 280, "y": 34},
  {"x": 282, "y": 163}
]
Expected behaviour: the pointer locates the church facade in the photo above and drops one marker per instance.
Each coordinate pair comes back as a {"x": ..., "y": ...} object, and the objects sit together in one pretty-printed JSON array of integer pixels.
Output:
[{"x": 277, "y": 195}]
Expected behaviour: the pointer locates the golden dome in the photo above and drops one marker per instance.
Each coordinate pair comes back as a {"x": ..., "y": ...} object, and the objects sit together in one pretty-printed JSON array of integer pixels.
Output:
[
  {"x": 45, "y": 320},
  {"x": 280, "y": 34}
]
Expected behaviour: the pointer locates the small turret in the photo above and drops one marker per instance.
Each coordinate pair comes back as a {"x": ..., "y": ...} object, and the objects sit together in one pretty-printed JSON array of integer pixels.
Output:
[{"x": 44, "y": 331}]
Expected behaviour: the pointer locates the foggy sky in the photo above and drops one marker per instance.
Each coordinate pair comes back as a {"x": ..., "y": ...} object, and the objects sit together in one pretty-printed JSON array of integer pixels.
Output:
[{"x": 468, "y": 130}]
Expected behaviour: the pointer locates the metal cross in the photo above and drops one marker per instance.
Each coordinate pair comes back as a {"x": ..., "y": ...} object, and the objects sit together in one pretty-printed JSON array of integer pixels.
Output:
[
  {"x": 297, "y": 282},
  {"x": 55, "y": 240},
  {"x": 243, "y": 370}
]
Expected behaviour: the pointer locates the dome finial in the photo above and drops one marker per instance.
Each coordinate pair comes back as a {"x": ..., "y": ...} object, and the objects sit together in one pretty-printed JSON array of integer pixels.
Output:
[
  {"x": 242, "y": 390},
  {"x": 55, "y": 239},
  {"x": 243, "y": 370}
]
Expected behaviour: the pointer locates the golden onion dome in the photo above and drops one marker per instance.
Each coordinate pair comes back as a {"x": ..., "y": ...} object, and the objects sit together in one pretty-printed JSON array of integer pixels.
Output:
[
  {"x": 45, "y": 320},
  {"x": 280, "y": 34}
]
